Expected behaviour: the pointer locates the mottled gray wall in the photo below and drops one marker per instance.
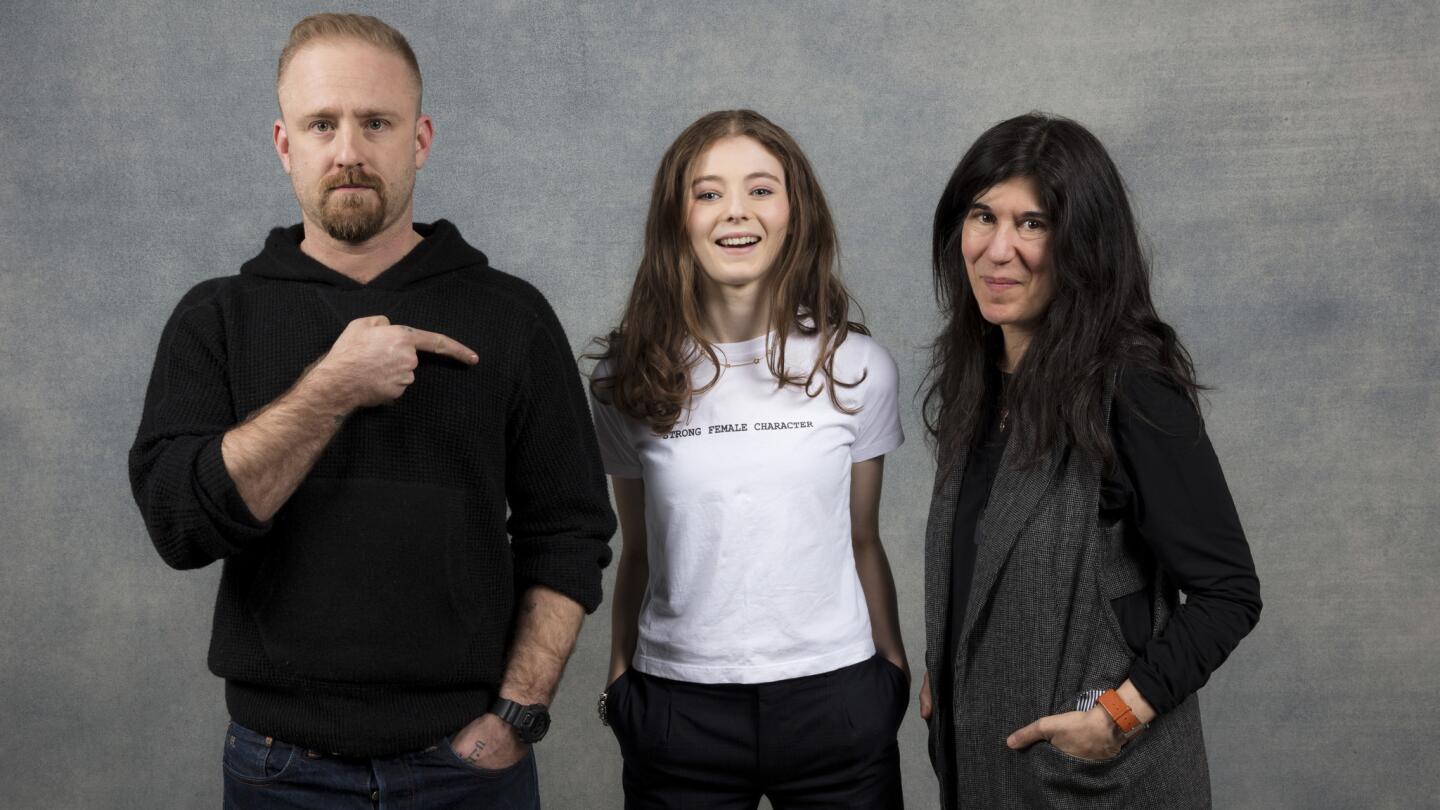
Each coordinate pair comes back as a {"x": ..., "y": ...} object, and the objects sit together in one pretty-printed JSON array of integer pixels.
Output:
[{"x": 1284, "y": 158}]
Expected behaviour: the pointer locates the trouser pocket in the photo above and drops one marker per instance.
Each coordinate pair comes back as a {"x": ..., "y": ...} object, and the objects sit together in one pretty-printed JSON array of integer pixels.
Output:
[
  {"x": 446, "y": 752},
  {"x": 254, "y": 758},
  {"x": 876, "y": 694},
  {"x": 638, "y": 710}
]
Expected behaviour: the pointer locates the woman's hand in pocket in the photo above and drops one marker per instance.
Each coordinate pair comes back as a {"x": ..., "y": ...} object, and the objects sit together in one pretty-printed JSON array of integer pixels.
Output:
[{"x": 1088, "y": 735}]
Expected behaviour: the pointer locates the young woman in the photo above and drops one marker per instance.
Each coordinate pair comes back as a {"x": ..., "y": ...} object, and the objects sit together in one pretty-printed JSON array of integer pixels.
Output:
[
  {"x": 1077, "y": 495},
  {"x": 743, "y": 419}
]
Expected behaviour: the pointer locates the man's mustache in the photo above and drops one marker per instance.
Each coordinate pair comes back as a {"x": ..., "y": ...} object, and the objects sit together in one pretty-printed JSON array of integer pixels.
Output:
[{"x": 353, "y": 177}]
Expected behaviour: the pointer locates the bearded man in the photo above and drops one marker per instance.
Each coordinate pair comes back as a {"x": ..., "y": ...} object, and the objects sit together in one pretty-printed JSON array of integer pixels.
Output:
[{"x": 386, "y": 442}]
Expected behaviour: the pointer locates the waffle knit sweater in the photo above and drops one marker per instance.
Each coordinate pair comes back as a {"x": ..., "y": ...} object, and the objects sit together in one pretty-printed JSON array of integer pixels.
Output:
[{"x": 373, "y": 613}]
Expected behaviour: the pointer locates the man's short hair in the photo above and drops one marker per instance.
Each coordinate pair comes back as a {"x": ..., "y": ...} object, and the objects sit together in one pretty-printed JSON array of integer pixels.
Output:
[{"x": 360, "y": 27}]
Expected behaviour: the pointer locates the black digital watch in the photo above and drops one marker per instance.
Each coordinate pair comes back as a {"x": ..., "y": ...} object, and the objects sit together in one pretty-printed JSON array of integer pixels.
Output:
[{"x": 530, "y": 722}]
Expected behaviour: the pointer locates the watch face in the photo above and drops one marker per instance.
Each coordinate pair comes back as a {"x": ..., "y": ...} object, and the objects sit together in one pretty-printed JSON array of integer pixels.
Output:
[{"x": 533, "y": 723}]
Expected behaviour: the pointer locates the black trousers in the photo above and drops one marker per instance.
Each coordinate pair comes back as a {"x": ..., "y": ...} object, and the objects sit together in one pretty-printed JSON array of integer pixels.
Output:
[{"x": 821, "y": 741}]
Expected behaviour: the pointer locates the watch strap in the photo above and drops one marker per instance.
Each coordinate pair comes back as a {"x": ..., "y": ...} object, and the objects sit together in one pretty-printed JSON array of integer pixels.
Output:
[
  {"x": 507, "y": 710},
  {"x": 1120, "y": 712}
]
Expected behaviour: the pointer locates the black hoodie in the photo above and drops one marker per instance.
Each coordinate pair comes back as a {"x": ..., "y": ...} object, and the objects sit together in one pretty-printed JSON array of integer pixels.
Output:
[{"x": 372, "y": 615}]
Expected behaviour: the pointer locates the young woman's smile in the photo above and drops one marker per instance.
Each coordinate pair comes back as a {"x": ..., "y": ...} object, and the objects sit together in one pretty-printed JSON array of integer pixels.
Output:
[{"x": 738, "y": 211}]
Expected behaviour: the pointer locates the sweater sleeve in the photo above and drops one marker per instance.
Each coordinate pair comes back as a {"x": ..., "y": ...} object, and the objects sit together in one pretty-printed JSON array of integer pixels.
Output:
[
  {"x": 1183, "y": 511},
  {"x": 192, "y": 510},
  {"x": 560, "y": 519}
]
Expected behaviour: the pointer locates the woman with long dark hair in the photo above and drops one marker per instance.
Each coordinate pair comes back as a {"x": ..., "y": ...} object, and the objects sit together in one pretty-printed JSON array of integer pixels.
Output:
[
  {"x": 1076, "y": 497},
  {"x": 743, "y": 418}
]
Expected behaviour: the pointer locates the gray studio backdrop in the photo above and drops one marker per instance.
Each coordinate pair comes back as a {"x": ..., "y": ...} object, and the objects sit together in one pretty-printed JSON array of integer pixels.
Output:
[{"x": 1285, "y": 163}]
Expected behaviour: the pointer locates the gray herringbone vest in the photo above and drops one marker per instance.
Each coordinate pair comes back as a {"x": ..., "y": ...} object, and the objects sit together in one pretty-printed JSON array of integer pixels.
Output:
[{"x": 1038, "y": 631}]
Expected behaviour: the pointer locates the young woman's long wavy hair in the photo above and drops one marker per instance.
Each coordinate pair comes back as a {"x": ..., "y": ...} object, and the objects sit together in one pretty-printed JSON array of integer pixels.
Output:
[
  {"x": 1101, "y": 318},
  {"x": 649, "y": 357}
]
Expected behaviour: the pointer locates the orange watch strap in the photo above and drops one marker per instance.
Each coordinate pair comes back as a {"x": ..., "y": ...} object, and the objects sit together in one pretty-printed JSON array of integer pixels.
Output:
[{"x": 1119, "y": 711}]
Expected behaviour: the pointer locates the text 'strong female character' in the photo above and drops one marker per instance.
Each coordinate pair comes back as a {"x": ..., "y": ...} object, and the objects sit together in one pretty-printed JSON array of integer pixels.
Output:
[
  {"x": 743, "y": 419},
  {"x": 1077, "y": 495}
]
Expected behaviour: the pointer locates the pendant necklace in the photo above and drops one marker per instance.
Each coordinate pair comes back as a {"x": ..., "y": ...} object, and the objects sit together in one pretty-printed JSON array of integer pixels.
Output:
[{"x": 1004, "y": 402}]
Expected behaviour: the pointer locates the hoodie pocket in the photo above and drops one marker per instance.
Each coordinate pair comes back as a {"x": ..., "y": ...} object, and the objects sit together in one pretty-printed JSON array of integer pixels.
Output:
[{"x": 364, "y": 582}]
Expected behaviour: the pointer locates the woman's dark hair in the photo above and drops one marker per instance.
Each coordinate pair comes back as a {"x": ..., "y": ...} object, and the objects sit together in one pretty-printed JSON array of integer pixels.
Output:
[
  {"x": 659, "y": 341},
  {"x": 1099, "y": 320}
]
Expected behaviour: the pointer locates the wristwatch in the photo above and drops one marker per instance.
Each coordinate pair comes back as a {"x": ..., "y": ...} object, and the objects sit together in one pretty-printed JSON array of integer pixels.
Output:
[{"x": 530, "y": 722}]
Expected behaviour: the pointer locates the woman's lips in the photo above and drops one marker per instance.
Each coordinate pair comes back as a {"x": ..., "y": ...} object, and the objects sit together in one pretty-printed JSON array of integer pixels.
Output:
[
  {"x": 738, "y": 250},
  {"x": 999, "y": 284}
]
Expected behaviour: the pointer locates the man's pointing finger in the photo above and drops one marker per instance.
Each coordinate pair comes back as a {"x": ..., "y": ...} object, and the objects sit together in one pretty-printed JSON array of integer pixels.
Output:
[{"x": 436, "y": 343}]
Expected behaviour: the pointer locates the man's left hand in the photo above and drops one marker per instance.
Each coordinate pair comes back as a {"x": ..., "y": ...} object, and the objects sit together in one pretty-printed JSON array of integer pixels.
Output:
[
  {"x": 488, "y": 743},
  {"x": 1088, "y": 735}
]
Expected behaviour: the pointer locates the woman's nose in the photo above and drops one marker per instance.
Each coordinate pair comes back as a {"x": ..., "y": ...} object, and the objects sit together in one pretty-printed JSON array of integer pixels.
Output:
[
  {"x": 1002, "y": 244},
  {"x": 736, "y": 207}
]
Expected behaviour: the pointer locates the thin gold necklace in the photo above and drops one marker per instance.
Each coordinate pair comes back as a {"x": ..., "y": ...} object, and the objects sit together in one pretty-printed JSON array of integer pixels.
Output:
[{"x": 752, "y": 361}]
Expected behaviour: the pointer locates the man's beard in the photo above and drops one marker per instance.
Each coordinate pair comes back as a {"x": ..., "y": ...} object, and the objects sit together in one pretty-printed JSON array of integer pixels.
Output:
[{"x": 355, "y": 216}]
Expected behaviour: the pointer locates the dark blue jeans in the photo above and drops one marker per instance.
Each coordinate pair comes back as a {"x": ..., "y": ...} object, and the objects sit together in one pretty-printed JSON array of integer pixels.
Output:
[{"x": 262, "y": 772}]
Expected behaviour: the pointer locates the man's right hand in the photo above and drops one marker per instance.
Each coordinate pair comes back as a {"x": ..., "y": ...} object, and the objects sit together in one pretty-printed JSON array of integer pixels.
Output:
[
  {"x": 374, "y": 361},
  {"x": 371, "y": 363}
]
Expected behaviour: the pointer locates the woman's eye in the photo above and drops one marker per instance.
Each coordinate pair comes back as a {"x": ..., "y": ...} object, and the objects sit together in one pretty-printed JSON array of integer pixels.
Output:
[
  {"x": 707, "y": 196},
  {"x": 762, "y": 192},
  {"x": 1033, "y": 225}
]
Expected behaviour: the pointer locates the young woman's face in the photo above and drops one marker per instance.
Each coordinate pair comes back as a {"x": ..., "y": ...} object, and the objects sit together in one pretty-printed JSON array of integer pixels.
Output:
[
  {"x": 1006, "y": 244},
  {"x": 738, "y": 211}
]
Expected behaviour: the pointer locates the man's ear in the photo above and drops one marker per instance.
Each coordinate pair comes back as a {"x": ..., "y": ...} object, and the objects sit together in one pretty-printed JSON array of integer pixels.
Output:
[
  {"x": 424, "y": 136},
  {"x": 282, "y": 144}
]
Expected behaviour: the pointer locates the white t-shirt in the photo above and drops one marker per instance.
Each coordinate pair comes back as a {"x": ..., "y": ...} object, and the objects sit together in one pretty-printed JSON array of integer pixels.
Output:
[{"x": 747, "y": 516}]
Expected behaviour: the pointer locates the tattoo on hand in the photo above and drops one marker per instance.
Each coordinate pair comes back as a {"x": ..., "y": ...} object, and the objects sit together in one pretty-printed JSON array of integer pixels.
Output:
[{"x": 474, "y": 755}]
